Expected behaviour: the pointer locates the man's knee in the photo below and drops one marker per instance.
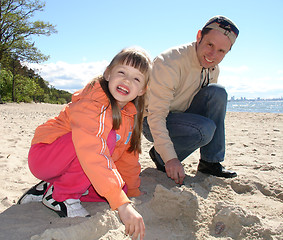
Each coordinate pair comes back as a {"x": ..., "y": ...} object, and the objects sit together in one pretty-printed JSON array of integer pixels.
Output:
[
  {"x": 193, "y": 128},
  {"x": 218, "y": 92}
]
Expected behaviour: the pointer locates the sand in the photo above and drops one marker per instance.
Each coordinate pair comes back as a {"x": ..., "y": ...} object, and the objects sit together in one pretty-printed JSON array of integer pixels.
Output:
[{"x": 249, "y": 206}]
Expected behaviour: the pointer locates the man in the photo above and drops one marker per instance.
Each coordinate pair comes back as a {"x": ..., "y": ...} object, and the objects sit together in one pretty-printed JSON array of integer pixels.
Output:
[{"x": 186, "y": 108}]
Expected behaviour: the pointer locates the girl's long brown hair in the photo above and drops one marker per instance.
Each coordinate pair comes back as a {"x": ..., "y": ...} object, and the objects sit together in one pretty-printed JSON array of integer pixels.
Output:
[{"x": 137, "y": 58}]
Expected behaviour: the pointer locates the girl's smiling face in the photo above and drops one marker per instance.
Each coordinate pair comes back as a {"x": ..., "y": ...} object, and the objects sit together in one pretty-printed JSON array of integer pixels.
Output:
[{"x": 125, "y": 83}]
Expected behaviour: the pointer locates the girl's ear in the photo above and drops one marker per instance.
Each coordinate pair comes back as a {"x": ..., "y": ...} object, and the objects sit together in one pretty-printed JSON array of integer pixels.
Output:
[
  {"x": 142, "y": 92},
  {"x": 106, "y": 74}
]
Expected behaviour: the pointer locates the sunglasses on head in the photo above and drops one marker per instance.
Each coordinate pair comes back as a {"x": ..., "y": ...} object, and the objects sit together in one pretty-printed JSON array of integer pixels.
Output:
[{"x": 224, "y": 25}]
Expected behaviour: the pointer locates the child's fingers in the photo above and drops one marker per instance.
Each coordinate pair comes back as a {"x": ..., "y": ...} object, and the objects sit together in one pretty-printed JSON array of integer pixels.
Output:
[
  {"x": 131, "y": 229},
  {"x": 139, "y": 230},
  {"x": 142, "y": 230},
  {"x": 136, "y": 233},
  {"x": 127, "y": 229}
]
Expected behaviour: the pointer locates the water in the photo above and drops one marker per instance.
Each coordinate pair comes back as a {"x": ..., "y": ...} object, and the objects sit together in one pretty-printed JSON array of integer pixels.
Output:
[{"x": 263, "y": 106}]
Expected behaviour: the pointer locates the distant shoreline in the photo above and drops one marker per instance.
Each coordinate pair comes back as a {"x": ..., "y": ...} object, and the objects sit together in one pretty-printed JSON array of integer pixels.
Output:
[
  {"x": 255, "y": 99},
  {"x": 256, "y": 105}
]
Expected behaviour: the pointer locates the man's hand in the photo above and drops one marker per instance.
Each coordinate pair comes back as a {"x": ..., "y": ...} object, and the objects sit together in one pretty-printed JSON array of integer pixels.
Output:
[{"x": 175, "y": 170}]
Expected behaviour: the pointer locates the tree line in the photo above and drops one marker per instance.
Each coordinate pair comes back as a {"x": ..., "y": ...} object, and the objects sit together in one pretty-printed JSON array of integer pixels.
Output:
[{"x": 18, "y": 83}]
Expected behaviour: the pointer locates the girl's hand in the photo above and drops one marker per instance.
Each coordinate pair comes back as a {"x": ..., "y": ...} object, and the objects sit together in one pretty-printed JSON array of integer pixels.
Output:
[{"x": 132, "y": 220}]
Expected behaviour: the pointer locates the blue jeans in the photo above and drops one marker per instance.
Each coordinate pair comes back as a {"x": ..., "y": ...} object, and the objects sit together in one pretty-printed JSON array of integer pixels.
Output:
[{"x": 200, "y": 126}]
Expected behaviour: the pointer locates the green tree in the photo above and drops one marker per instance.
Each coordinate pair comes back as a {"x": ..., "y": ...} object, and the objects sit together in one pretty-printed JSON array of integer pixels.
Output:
[
  {"x": 17, "y": 28},
  {"x": 5, "y": 85},
  {"x": 27, "y": 90},
  {"x": 16, "y": 31}
]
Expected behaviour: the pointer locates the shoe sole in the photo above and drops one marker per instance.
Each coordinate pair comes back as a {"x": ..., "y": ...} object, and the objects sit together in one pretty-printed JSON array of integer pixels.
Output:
[{"x": 226, "y": 175}]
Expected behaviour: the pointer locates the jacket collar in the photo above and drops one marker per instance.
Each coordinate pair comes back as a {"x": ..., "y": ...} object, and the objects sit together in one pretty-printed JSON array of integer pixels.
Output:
[{"x": 96, "y": 93}]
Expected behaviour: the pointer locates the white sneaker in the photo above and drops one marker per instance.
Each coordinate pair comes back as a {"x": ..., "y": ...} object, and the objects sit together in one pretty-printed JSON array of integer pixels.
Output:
[
  {"x": 34, "y": 194},
  {"x": 68, "y": 208}
]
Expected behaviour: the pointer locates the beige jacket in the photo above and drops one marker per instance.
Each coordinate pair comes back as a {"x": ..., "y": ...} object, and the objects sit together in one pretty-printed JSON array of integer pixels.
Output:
[{"x": 175, "y": 80}]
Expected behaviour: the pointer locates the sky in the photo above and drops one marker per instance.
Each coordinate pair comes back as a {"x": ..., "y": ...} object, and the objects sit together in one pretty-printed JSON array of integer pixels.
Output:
[{"x": 92, "y": 32}]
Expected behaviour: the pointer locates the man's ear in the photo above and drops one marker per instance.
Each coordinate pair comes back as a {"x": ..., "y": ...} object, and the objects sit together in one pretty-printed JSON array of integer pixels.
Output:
[{"x": 199, "y": 36}]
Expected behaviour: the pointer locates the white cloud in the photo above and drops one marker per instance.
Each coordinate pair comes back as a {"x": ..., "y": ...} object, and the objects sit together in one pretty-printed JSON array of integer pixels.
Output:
[
  {"x": 70, "y": 77},
  {"x": 239, "y": 69},
  {"x": 239, "y": 81},
  {"x": 245, "y": 82}
]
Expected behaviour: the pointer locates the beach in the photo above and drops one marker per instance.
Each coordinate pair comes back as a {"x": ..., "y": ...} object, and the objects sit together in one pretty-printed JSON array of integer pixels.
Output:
[{"x": 249, "y": 206}]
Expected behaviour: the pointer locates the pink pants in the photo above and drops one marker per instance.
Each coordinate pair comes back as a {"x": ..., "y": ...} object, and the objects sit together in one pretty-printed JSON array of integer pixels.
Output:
[{"x": 58, "y": 164}]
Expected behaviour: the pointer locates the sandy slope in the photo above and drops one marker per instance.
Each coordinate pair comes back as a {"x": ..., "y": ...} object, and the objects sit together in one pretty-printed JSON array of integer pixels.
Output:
[{"x": 205, "y": 207}]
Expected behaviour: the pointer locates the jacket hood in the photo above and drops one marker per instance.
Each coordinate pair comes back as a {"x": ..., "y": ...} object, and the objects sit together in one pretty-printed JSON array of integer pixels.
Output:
[
  {"x": 95, "y": 93},
  {"x": 91, "y": 92}
]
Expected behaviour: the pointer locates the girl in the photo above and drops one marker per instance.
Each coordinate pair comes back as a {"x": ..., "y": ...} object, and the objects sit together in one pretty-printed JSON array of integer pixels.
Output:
[{"x": 90, "y": 151}]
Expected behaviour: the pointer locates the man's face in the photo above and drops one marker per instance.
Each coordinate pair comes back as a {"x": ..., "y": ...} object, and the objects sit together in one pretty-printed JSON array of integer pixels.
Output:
[{"x": 212, "y": 48}]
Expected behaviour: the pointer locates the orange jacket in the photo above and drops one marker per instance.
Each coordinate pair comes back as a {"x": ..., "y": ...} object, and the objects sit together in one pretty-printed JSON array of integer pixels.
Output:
[{"x": 90, "y": 122}]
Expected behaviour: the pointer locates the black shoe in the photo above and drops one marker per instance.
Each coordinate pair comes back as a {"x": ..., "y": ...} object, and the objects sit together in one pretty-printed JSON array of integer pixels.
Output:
[
  {"x": 159, "y": 165},
  {"x": 215, "y": 169}
]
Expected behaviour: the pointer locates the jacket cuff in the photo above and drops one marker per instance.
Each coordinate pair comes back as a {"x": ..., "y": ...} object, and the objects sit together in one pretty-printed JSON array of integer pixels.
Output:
[{"x": 116, "y": 198}]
